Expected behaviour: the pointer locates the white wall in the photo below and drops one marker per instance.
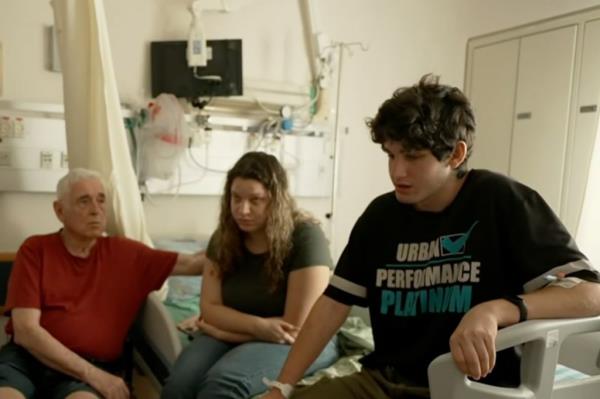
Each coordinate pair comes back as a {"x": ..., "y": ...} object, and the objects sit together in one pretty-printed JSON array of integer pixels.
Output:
[{"x": 407, "y": 38}]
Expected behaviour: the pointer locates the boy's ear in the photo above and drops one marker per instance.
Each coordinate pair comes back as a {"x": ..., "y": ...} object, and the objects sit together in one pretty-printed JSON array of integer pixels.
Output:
[{"x": 458, "y": 155}]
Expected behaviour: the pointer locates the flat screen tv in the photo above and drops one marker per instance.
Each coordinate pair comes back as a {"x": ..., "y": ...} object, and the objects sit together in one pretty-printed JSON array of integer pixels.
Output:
[{"x": 222, "y": 75}]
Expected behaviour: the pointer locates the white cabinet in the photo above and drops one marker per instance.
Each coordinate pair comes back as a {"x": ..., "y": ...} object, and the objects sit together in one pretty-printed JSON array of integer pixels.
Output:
[
  {"x": 535, "y": 91},
  {"x": 493, "y": 85},
  {"x": 539, "y": 138},
  {"x": 585, "y": 123}
]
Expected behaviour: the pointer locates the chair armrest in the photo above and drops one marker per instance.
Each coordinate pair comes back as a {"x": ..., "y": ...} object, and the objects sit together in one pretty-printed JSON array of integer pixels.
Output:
[
  {"x": 542, "y": 339},
  {"x": 158, "y": 329}
]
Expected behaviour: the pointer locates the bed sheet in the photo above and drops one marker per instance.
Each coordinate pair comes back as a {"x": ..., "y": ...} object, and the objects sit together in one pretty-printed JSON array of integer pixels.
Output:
[{"x": 354, "y": 339}]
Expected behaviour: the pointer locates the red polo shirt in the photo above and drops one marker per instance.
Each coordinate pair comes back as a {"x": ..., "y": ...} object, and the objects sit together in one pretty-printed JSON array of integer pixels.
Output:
[{"x": 88, "y": 304}]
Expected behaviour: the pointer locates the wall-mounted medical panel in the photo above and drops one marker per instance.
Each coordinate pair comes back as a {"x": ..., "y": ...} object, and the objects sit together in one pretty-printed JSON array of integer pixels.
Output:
[
  {"x": 203, "y": 167},
  {"x": 33, "y": 157},
  {"x": 33, "y": 152}
]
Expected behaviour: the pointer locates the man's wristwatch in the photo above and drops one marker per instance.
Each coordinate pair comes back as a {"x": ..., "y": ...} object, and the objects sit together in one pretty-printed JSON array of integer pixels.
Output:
[
  {"x": 285, "y": 389},
  {"x": 520, "y": 303}
]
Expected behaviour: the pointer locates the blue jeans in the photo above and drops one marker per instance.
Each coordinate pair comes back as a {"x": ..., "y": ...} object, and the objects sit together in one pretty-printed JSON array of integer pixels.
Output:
[{"x": 209, "y": 368}]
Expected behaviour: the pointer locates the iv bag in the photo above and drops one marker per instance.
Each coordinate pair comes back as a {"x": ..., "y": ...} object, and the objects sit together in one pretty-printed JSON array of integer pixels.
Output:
[{"x": 162, "y": 139}]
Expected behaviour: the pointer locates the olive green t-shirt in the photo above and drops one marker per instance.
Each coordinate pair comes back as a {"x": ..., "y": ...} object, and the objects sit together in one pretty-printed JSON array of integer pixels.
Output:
[{"x": 247, "y": 288}]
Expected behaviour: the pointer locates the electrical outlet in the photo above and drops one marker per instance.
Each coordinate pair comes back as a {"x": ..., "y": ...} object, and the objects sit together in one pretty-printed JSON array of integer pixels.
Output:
[
  {"x": 18, "y": 128},
  {"x": 5, "y": 158},
  {"x": 46, "y": 158}
]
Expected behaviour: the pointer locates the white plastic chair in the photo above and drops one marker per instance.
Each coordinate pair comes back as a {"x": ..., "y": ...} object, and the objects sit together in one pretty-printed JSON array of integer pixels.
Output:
[
  {"x": 542, "y": 342},
  {"x": 160, "y": 335}
]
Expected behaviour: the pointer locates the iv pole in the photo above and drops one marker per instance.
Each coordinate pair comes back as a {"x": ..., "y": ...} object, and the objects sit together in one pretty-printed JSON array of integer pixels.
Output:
[
  {"x": 319, "y": 47},
  {"x": 341, "y": 46}
]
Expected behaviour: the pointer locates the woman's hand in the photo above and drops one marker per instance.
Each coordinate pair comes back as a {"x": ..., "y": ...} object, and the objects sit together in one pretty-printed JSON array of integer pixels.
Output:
[
  {"x": 226, "y": 336},
  {"x": 274, "y": 329}
]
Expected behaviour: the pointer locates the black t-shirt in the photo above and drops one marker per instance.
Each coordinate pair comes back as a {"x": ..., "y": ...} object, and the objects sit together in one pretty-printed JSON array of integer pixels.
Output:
[
  {"x": 247, "y": 288},
  {"x": 420, "y": 272}
]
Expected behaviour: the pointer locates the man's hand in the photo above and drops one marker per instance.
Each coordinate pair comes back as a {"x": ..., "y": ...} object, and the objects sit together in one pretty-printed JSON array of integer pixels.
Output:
[
  {"x": 110, "y": 386},
  {"x": 189, "y": 325},
  {"x": 473, "y": 343},
  {"x": 274, "y": 329}
]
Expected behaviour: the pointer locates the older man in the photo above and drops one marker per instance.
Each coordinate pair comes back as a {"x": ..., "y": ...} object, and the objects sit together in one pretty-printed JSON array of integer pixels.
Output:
[{"x": 73, "y": 296}]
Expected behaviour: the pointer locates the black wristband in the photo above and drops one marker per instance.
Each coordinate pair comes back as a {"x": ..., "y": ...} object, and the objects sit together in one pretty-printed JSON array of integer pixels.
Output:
[{"x": 520, "y": 303}]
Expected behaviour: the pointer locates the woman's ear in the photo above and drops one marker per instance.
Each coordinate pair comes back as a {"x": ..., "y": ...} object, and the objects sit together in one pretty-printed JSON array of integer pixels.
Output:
[{"x": 458, "y": 155}]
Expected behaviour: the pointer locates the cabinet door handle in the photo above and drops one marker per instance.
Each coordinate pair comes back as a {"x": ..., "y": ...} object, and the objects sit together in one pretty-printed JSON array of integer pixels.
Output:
[
  {"x": 588, "y": 108},
  {"x": 524, "y": 115}
]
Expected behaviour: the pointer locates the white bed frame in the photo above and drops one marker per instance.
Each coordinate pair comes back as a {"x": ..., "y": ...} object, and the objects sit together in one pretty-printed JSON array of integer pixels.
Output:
[{"x": 542, "y": 342}]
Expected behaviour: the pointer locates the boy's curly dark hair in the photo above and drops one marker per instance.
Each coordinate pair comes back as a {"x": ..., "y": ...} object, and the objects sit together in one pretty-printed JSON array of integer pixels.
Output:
[{"x": 429, "y": 116}]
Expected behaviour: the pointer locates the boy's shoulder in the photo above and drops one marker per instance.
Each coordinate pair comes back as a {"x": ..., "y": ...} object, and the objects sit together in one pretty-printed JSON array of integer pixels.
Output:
[{"x": 483, "y": 181}]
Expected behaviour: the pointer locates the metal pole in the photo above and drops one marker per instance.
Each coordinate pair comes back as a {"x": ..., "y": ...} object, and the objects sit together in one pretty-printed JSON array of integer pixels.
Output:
[{"x": 336, "y": 142}]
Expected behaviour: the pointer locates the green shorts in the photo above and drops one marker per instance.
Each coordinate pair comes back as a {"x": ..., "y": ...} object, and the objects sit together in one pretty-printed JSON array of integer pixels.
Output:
[
  {"x": 365, "y": 384},
  {"x": 23, "y": 372}
]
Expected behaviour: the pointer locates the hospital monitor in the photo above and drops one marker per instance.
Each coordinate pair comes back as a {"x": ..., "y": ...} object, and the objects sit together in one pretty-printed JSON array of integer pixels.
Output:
[{"x": 222, "y": 76}]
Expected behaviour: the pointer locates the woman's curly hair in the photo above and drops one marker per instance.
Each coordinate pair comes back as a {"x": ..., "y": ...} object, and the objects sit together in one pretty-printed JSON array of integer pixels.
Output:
[{"x": 281, "y": 221}]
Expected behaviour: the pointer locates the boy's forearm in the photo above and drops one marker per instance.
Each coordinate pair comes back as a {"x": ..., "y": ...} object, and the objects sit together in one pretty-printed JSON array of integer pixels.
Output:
[
  {"x": 550, "y": 302},
  {"x": 322, "y": 324},
  {"x": 581, "y": 300}
]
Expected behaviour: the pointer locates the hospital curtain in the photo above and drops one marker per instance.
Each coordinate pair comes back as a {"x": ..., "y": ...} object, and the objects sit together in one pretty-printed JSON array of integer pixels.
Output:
[{"x": 96, "y": 137}]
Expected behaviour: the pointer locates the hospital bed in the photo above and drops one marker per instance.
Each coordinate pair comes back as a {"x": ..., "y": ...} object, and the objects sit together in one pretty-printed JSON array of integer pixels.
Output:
[
  {"x": 158, "y": 342},
  {"x": 560, "y": 358}
]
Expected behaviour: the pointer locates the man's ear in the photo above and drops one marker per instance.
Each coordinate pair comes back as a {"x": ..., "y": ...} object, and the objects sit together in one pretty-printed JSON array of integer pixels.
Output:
[
  {"x": 458, "y": 155},
  {"x": 58, "y": 210}
]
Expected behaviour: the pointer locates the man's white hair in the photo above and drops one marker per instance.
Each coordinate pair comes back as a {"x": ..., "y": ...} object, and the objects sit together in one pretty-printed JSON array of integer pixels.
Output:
[{"x": 75, "y": 175}]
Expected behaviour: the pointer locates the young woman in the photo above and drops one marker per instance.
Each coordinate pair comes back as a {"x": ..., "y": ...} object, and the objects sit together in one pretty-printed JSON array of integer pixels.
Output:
[{"x": 267, "y": 265}]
